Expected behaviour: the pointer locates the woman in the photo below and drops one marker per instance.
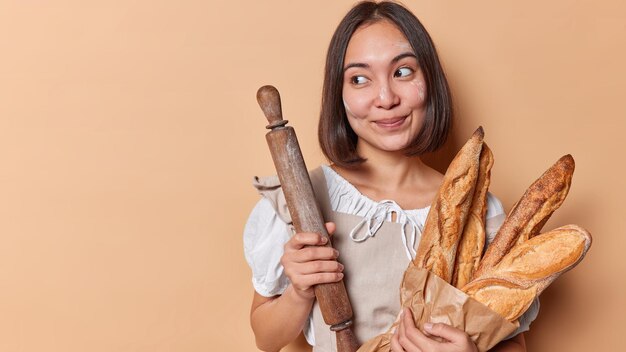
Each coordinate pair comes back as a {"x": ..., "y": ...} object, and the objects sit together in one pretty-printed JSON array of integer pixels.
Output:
[{"x": 385, "y": 102}]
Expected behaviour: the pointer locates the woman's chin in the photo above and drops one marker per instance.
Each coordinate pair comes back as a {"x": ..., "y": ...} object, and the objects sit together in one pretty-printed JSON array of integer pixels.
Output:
[{"x": 396, "y": 146}]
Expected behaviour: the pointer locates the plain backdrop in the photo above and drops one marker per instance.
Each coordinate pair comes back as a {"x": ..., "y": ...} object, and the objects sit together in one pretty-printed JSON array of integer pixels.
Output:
[{"x": 130, "y": 133}]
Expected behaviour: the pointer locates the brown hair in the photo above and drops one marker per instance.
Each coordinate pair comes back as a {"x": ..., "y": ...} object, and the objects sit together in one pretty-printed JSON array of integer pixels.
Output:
[{"x": 336, "y": 137}]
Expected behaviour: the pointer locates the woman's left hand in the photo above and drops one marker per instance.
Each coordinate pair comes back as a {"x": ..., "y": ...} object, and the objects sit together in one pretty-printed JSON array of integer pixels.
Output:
[{"x": 410, "y": 339}]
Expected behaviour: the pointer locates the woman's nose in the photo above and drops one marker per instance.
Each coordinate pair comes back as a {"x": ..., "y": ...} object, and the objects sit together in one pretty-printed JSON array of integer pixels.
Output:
[{"x": 387, "y": 97}]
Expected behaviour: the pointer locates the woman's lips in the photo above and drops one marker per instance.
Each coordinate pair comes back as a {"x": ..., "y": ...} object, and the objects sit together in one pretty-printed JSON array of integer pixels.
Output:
[{"x": 392, "y": 122}]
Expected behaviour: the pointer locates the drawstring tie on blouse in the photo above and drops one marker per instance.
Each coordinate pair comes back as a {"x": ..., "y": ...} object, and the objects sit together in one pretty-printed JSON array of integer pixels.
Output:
[{"x": 375, "y": 220}]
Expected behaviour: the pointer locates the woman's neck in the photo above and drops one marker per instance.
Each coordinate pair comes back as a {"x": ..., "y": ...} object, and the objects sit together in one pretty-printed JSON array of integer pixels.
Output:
[{"x": 393, "y": 175}]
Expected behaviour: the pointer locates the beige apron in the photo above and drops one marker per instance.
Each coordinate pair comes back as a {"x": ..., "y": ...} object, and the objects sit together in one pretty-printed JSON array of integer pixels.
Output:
[{"x": 373, "y": 272}]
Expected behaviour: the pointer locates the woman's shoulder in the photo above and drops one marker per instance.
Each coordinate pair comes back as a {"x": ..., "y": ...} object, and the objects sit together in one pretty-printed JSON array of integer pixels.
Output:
[{"x": 272, "y": 196}]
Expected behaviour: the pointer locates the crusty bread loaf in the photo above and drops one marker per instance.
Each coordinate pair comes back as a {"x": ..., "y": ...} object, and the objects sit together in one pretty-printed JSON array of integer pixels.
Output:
[
  {"x": 503, "y": 297},
  {"x": 472, "y": 242},
  {"x": 531, "y": 212},
  {"x": 509, "y": 287},
  {"x": 448, "y": 213},
  {"x": 518, "y": 266}
]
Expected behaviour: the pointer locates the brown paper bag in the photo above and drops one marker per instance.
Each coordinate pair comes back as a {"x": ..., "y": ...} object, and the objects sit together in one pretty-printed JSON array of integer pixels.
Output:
[{"x": 431, "y": 299}]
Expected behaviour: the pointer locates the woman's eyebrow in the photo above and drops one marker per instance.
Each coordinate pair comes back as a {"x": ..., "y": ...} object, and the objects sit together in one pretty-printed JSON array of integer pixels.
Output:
[
  {"x": 402, "y": 56},
  {"x": 355, "y": 64},
  {"x": 393, "y": 61}
]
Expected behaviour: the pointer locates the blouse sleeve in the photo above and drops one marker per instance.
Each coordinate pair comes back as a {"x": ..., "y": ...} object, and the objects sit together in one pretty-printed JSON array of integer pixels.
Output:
[
  {"x": 267, "y": 230},
  {"x": 494, "y": 219},
  {"x": 264, "y": 236}
]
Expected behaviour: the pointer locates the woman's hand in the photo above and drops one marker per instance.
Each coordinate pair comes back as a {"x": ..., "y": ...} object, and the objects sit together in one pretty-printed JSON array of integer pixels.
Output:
[
  {"x": 308, "y": 262},
  {"x": 409, "y": 338}
]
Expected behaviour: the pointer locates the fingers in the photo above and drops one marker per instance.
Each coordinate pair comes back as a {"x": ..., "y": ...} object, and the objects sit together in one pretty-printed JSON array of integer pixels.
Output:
[
  {"x": 330, "y": 227},
  {"x": 304, "y": 276},
  {"x": 307, "y": 281},
  {"x": 395, "y": 343},
  {"x": 409, "y": 337},
  {"x": 316, "y": 253},
  {"x": 308, "y": 262},
  {"x": 307, "y": 246},
  {"x": 303, "y": 239},
  {"x": 443, "y": 330},
  {"x": 410, "y": 332},
  {"x": 455, "y": 336},
  {"x": 321, "y": 266},
  {"x": 308, "y": 254}
]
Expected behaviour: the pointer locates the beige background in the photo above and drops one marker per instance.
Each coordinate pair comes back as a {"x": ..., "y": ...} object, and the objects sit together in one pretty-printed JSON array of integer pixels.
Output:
[{"x": 129, "y": 133}]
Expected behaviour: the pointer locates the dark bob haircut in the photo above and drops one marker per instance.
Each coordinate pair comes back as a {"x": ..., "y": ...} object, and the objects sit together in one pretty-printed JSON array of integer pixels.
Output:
[{"x": 336, "y": 137}]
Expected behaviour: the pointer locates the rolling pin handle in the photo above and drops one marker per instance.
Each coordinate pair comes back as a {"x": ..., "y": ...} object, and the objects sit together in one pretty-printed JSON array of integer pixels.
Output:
[{"x": 269, "y": 101}]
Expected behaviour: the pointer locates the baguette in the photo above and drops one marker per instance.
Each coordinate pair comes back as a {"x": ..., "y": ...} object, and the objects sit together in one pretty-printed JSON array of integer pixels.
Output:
[
  {"x": 448, "y": 213},
  {"x": 472, "y": 241},
  {"x": 528, "y": 269},
  {"x": 530, "y": 213}
]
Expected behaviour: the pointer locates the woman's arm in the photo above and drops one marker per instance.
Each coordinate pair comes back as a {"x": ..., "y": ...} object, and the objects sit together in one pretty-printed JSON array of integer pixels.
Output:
[
  {"x": 278, "y": 320},
  {"x": 515, "y": 344}
]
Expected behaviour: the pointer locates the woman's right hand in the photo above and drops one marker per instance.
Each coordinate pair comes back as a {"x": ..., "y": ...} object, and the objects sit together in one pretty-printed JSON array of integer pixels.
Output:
[{"x": 308, "y": 262}]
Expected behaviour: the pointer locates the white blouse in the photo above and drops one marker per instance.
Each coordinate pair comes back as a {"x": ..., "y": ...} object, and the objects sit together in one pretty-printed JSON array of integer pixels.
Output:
[{"x": 266, "y": 232}]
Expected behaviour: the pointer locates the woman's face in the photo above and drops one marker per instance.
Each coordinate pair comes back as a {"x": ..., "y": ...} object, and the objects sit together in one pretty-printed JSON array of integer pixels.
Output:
[{"x": 384, "y": 91}]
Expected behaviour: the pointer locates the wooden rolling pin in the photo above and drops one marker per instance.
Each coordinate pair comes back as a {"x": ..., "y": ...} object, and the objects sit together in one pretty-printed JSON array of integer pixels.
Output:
[{"x": 305, "y": 212}]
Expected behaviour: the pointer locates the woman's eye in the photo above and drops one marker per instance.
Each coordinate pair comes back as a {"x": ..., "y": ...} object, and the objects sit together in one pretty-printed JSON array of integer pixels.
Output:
[
  {"x": 403, "y": 72},
  {"x": 358, "y": 80}
]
